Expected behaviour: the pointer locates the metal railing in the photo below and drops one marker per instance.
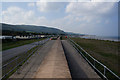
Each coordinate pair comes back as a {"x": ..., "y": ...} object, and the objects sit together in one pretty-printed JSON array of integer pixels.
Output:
[
  {"x": 100, "y": 68},
  {"x": 13, "y": 65}
]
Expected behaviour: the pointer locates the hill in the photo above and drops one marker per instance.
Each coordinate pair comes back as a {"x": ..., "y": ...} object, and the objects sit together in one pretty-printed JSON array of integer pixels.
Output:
[
  {"x": 74, "y": 34},
  {"x": 31, "y": 28}
]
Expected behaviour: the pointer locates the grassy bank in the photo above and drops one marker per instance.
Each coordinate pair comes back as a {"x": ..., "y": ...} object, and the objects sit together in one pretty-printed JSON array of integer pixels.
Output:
[
  {"x": 12, "y": 44},
  {"x": 104, "y": 51}
]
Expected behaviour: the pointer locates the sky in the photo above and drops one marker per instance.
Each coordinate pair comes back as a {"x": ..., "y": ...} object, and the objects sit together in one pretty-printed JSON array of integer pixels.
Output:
[{"x": 93, "y": 18}]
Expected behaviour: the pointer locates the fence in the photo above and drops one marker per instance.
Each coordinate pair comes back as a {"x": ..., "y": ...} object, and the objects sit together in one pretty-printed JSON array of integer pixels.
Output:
[
  {"x": 12, "y": 66},
  {"x": 101, "y": 69}
]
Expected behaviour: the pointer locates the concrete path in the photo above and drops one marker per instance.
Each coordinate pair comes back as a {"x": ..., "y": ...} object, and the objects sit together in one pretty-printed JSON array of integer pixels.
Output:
[
  {"x": 48, "y": 62},
  {"x": 79, "y": 68},
  {"x": 54, "y": 65}
]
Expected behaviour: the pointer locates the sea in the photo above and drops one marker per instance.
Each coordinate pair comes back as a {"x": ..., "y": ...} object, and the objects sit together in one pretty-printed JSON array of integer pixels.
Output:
[{"x": 113, "y": 38}]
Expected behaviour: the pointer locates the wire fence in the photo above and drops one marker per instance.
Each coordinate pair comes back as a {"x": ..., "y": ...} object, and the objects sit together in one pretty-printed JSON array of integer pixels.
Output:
[
  {"x": 101, "y": 69},
  {"x": 12, "y": 66}
]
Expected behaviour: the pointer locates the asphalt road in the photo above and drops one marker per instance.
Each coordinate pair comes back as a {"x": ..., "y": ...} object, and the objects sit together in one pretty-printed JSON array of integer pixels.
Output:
[
  {"x": 8, "y": 54},
  {"x": 79, "y": 68}
]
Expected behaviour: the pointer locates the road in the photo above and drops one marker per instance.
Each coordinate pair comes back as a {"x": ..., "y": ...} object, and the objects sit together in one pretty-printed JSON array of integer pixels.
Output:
[
  {"x": 48, "y": 62},
  {"x": 79, "y": 68},
  {"x": 8, "y": 54}
]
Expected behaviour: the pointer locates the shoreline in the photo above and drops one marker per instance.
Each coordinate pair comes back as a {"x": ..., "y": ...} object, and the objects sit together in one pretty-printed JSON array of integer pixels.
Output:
[{"x": 115, "y": 39}]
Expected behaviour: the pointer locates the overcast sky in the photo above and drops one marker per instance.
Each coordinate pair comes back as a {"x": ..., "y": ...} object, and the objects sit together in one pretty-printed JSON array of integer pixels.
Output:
[{"x": 95, "y": 18}]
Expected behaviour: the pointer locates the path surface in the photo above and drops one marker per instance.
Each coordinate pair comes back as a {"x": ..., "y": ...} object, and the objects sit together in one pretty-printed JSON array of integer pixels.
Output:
[
  {"x": 7, "y": 54},
  {"x": 79, "y": 68},
  {"x": 54, "y": 65},
  {"x": 48, "y": 62}
]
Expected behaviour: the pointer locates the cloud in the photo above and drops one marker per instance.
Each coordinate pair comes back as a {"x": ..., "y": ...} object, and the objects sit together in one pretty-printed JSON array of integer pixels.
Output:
[
  {"x": 0, "y": 12},
  {"x": 19, "y": 0},
  {"x": 104, "y": 0},
  {"x": 60, "y": 0},
  {"x": 16, "y": 15},
  {"x": 95, "y": 12},
  {"x": 90, "y": 8},
  {"x": 31, "y": 4},
  {"x": 49, "y": 6},
  {"x": 92, "y": 17}
]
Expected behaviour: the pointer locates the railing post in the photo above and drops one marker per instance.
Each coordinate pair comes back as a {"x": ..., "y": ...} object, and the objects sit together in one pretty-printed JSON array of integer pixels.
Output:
[
  {"x": 5, "y": 72},
  {"x": 16, "y": 64},
  {"x": 104, "y": 70},
  {"x": 94, "y": 62}
]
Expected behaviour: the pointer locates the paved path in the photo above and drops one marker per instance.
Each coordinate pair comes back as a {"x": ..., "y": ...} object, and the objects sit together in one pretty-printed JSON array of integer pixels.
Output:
[
  {"x": 54, "y": 65},
  {"x": 48, "y": 62},
  {"x": 7, "y": 54},
  {"x": 79, "y": 68}
]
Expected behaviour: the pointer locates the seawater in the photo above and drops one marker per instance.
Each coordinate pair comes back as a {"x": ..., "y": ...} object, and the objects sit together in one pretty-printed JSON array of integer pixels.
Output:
[{"x": 102, "y": 38}]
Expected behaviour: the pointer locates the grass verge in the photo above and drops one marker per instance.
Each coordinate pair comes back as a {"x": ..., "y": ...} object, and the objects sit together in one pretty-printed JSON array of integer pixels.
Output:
[
  {"x": 13, "y": 44},
  {"x": 107, "y": 52}
]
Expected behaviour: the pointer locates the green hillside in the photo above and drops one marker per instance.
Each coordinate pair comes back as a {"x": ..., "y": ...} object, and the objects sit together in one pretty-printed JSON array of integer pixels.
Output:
[{"x": 31, "y": 28}]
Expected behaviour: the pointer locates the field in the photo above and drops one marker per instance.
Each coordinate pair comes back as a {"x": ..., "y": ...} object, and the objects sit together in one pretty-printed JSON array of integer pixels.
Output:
[
  {"x": 12, "y": 44},
  {"x": 106, "y": 52}
]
